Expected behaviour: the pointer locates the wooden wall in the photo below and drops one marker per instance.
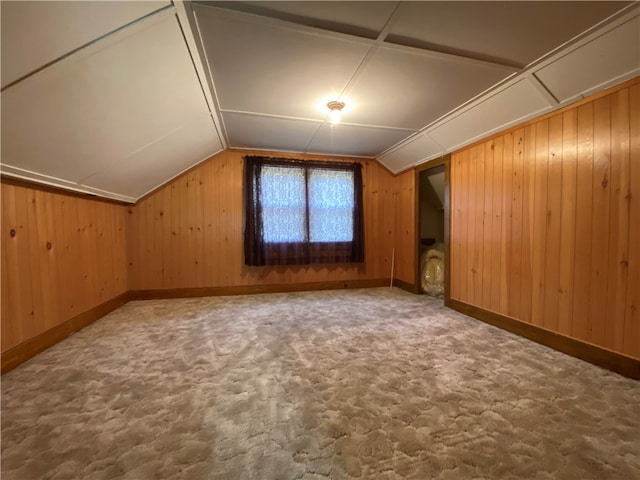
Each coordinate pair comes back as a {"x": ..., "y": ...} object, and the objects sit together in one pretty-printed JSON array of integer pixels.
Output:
[
  {"x": 545, "y": 222},
  {"x": 61, "y": 256},
  {"x": 189, "y": 234},
  {"x": 405, "y": 222}
]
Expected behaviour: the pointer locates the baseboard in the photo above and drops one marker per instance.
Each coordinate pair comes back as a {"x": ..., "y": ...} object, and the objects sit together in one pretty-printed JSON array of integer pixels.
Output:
[
  {"x": 616, "y": 362},
  {"x": 254, "y": 289},
  {"x": 26, "y": 350},
  {"x": 409, "y": 287}
]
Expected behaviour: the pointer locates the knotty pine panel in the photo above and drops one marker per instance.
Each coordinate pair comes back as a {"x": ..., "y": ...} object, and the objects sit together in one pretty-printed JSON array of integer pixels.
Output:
[
  {"x": 584, "y": 195},
  {"x": 405, "y": 223},
  {"x": 600, "y": 226},
  {"x": 470, "y": 220},
  {"x": 567, "y": 220},
  {"x": 487, "y": 225},
  {"x": 528, "y": 203},
  {"x": 631, "y": 329},
  {"x": 189, "y": 234},
  {"x": 513, "y": 232},
  {"x": 619, "y": 211},
  {"x": 503, "y": 210},
  {"x": 456, "y": 225},
  {"x": 495, "y": 218},
  {"x": 552, "y": 229},
  {"x": 545, "y": 223},
  {"x": 61, "y": 256}
]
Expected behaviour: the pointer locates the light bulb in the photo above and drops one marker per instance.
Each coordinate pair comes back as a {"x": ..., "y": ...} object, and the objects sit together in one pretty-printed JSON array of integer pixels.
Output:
[
  {"x": 335, "y": 111},
  {"x": 335, "y": 116}
]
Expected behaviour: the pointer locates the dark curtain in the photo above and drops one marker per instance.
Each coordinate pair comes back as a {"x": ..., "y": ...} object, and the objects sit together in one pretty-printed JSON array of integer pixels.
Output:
[{"x": 259, "y": 252}]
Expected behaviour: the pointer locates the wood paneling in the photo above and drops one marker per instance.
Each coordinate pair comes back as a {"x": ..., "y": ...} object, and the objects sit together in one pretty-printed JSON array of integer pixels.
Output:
[
  {"x": 567, "y": 220},
  {"x": 600, "y": 356},
  {"x": 584, "y": 195},
  {"x": 404, "y": 217},
  {"x": 503, "y": 209},
  {"x": 189, "y": 234},
  {"x": 498, "y": 252},
  {"x": 22, "y": 352},
  {"x": 631, "y": 329},
  {"x": 61, "y": 256},
  {"x": 514, "y": 232},
  {"x": 565, "y": 190}
]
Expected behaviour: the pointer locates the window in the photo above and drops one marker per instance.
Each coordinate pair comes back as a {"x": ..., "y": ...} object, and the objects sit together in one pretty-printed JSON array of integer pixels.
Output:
[{"x": 302, "y": 212}]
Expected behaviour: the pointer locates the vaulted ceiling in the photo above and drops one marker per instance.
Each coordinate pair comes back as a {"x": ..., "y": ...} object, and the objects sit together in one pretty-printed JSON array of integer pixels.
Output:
[{"x": 117, "y": 98}]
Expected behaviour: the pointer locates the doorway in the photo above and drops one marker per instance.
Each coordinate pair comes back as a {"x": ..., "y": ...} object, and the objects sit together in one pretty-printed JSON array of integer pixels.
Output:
[{"x": 432, "y": 232}]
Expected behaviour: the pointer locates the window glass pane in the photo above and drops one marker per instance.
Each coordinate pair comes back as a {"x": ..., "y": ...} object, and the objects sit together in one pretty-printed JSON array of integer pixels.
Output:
[
  {"x": 330, "y": 205},
  {"x": 282, "y": 197}
]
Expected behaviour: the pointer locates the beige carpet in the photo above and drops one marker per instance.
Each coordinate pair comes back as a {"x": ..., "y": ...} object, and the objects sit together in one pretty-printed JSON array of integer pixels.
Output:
[{"x": 375, "y": 384}]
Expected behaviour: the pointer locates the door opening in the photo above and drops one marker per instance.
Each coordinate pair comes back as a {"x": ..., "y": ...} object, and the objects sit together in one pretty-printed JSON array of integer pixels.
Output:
[{"x": 431, "y": 228}]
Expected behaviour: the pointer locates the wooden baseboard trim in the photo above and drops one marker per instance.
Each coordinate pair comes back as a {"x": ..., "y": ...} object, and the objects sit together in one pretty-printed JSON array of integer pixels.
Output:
[
  {"x": 616, "y": 362},
  {"x": 409, "y": 287},
  {"x": 253, "y": 289},
  {"x": 26, "y": 350}
]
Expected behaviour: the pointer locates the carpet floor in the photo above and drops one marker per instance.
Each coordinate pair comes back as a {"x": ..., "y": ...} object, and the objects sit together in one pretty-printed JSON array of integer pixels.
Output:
[{"x": 371, "y": 384}]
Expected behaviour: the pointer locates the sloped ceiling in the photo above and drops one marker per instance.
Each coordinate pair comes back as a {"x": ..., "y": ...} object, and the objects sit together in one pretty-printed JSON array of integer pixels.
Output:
[
  {"x": 116, "y": 98},
  {"x": 100, "y": 97}
]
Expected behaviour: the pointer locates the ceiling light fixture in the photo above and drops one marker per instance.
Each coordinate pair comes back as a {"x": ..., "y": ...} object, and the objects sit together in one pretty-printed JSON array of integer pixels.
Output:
[{"x": 335, "y": 111}]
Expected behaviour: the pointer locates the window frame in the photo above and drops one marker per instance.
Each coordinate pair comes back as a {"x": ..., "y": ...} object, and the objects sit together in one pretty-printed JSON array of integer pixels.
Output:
[{"x": 258, "y": 252}]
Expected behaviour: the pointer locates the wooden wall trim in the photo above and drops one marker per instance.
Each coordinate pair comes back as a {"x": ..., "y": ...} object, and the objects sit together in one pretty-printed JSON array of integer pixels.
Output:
[
  {"x": 156, "y": 294},
  {"x": 444, "y": 161},
  {"x": 409, "y": 287},
  {"x": 559, "y": 111},
  {"x": 43, "y": 187},
  {"x": 26, "y": 350},
  {"x": 616, "y": 362}
]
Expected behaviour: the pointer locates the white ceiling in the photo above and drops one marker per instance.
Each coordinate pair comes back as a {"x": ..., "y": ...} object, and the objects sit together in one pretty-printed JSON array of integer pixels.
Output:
[
  {"x": 100, "y": 97},
  {"x": 116, "y": 98}
]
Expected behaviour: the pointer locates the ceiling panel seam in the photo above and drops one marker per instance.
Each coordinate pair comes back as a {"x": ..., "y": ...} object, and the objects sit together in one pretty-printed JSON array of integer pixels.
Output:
[
  {"x": 315, "y": 134},
  {"x": 459, "y": 110},
  {"x": 348, "y": 37},
  {"x": 396, "y": 146},
  {"x": 143, "y": 147},
  {"x": 88, "y": 44},
  {"x": 284, "y": 24},
  {"x": 393, "y": 17},
  {"x": 462, "y": 56},
  {"x": 618, "y": 19},
  {"x": 225, "y": 134},
  {"x": 514, "y": 78},
  {"x": 177, "y": 175},
  {"x": 202, "y": 88},
  {"x": 361, "y": 66},
  {"x": 584, "y": 40},
  {"x": 467, "y": 107},
  {"x": 29, "y": 176},
  {"x": 358, "y": 70},
  {"x": 409, "y": 141},
  {"x": 601, "y": 28},
  {"x": 543, "y": 89},
  {"x": 271, "y": 115}
]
